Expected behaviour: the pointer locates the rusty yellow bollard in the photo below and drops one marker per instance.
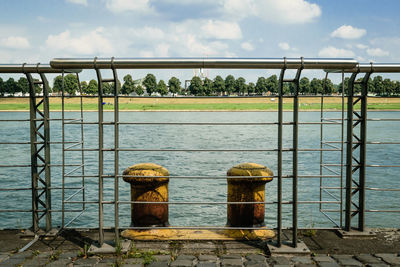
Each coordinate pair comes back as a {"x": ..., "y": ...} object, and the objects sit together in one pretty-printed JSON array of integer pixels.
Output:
[
  {"x": 247, "y": 190},
  {"x": 149, "y": 189}
]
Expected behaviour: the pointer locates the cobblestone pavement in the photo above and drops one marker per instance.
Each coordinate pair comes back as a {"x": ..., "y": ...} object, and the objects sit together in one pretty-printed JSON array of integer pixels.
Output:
[
  {"x": 72, "y": 249},
  {"x": 58, "y": 258}
]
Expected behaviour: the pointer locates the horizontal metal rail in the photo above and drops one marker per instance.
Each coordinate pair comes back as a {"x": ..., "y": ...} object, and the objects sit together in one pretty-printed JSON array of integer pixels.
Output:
[
  {"x": 205, "y": 63},
  {"x": 203, "y": 123},
  {"x": 32, "y": 68},
  {"x": 201, "y": 203}
]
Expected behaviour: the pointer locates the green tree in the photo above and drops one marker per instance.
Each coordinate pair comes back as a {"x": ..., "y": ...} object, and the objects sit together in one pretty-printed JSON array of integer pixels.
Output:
[
  {"x": 108, "y": 88},
  {"x": 129, "y": 85},
  {"x": 10, "y": 86},
  {"x": 57, "y": 84},
  {"x": 229, "y": 84},
  {"x": 346, "y": 82},
  {"x": 84, "y": 86},
  {"x": 397, "y": 88},
  {"x": 71, "y": 84},
  {"x": 92, "y": 88},
  {"x": 162, "y": 88},
  {"x": 251, "y": 88},
  {"x": 261, "y": 86},
  {"x": 174, "y": 85},
  {"x": 316, "y": 86},
  {"x": 2, "y": 91},
  {"x": 23, "y": 85},
  {"x": 196, "y": 86},
  {"x": 329, "y": 87},
  {"x": 139, "y": 90},
  {"x": 240, "y": 86},
  {"x": 219, "y": 85},
  {"x": 378, "y": 85},
  {"x": 272, "y": 84},
  {"x": 304, "y": 86},
  {"x": 207, "y": 87},
  {"x": 389, "y": 87},
  {"x": 150, "y": 83}
]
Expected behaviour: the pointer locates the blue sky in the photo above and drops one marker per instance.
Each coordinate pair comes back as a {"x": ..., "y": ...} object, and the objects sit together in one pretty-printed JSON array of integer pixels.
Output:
[{"x": 36, "y": 31}]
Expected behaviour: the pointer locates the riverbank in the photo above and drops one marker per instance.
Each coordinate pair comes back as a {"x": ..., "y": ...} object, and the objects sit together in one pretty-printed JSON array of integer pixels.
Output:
[
  {"x": 199, "y": 104},
  {"x": 71, "y": 248}
]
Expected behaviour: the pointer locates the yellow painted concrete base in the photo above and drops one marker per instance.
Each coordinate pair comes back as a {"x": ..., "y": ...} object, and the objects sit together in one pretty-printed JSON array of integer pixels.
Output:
[{"x": 189, "y": 234}]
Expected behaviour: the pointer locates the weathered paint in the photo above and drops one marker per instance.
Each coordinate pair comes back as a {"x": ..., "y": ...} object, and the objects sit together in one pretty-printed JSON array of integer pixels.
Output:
[
  {"x": 247, "y": 190},
  {"x": 197, "y": 234},
  {"x": 151, "y": 189}
]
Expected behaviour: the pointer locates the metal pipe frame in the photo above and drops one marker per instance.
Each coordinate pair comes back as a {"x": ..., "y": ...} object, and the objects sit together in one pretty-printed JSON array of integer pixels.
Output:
[
  {"x": 209, "y": 63},
  {"x": 36, "y": 149},
  {"x": 352, "y": 146}
]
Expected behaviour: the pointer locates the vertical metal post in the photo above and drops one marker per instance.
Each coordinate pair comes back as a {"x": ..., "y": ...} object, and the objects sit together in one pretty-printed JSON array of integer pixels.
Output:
[
  {"x": 116, "y": 151},
  {"x": 342, "y": 155},
  {"x": 33, "y": 139},
  {"x": 82, "y": 144},
  {"x": 63, "y": 150},
  {"x": 280, "y": 124},
  {"x": 363, "y": 150},
  {"x": 46, "y": 112},
  {"x": 295, "y": 153},
  {"x": 100, "y": 122},
  {"x": 321, "y": 140},
  {"x": 349, "y": 151}
]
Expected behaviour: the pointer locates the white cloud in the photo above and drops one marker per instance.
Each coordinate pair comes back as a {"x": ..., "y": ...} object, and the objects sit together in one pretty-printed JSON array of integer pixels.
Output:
[
  {"x": 377, "y": 52},
  {"x": 247, "y": 46},
  {"x": 282, "y": 11},
  {"x": 78, "y": 2},
  {"x": 88, "y": 43},
  {"x": 361, "y": 46},
  {"x": 284, "y": 46},
  {"x": 331, "y": 51},
  {"x": 15, "y": 42},
  {"x": 221, "y": 30},
  {"x": 119, "y": 6},
  {"x": 348, "y": 32}
]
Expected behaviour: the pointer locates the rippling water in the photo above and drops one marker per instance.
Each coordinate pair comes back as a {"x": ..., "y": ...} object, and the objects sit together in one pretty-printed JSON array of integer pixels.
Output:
[{"x": 199, "y": 164}]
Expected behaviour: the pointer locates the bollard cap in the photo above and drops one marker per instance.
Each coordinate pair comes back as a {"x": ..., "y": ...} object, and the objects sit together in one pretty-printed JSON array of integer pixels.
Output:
[
  {"x": 250, "y": 169},
  {"x": 137, "y": 171}
]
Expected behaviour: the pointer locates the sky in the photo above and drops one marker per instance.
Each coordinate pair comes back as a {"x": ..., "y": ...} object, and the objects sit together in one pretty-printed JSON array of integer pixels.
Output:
[{"x": 38, "y": 30}]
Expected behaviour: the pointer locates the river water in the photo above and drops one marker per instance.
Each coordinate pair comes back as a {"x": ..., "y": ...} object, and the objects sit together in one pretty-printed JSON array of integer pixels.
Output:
[{"x": 212, "y": 164}]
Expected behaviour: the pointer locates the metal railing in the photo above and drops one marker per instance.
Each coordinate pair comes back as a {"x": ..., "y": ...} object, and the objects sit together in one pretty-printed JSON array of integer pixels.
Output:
[{"x": 354, "y": 189}]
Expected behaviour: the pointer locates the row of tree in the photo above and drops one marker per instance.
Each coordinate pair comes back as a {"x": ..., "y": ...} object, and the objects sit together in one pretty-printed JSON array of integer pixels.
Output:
[{"x": 201, "y": 87}]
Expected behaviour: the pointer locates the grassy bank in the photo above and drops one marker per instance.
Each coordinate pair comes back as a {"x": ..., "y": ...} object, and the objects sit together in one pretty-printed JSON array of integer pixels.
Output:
[{"x": 217, "y": 104}]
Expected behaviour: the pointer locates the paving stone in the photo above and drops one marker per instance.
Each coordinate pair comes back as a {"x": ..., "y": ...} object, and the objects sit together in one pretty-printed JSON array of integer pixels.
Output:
[
  {"x": 68, "y": 255},
  {"x": 231, "y": 262},
  {"x": 282, "y": 265},
  {"x": 3, "y": 257},
  {"x": 304, "y": 265},
  {"x": 158, "y": 264},
  {"x": 347, "y": 260},
  {"x": 185, "y": 257},
  {"x": 280, "y": 260},
  {"x": 36, "y": 262},
  {"x": 327, "y": 264},
  {"x": 391, "y": 259},
  {"x": 12, "y": 262},
  {"x": 301, "y": 260},
  {"x": 377, "y": 265},
  {"x": 132, "y": 261},
  {"x": 166, "y": 258},
  {"x": 206, "y": 264},
  {"x": 61, "y": 262},
  {"x": 256, "y": 264},
  {"x": 230, "y": 256},
  {"x": 182, "y": 263},
  {"x": 255, "y": 258},
  {"x": 86, "y": 262},
  {"x": 133, "y": 265},
  {"x": 368, "y": 258},
  {"x": 212, "y": 258},
  {"x": 22, "y": 255},
  {"x": 323, "y": 259}
]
